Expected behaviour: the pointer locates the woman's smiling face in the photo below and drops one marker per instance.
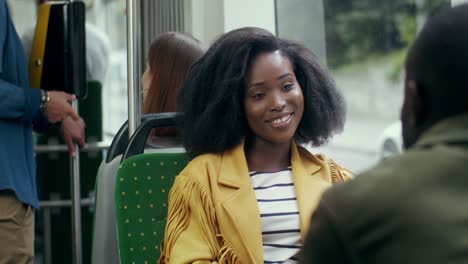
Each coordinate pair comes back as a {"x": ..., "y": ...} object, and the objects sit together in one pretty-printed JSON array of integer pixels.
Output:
[{"x": 273, "y": 101}]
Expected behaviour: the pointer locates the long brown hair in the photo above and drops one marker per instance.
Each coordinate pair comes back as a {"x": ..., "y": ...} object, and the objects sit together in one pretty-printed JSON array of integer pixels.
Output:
[{"x": 170, "y": 56}]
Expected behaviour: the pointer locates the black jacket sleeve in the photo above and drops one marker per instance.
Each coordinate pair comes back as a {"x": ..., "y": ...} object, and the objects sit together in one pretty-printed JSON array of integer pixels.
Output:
[{"x": 323, "y": 243}]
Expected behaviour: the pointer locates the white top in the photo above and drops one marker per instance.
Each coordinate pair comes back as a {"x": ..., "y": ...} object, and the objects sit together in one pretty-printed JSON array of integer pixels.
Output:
[{"x": 279, "y": 215}]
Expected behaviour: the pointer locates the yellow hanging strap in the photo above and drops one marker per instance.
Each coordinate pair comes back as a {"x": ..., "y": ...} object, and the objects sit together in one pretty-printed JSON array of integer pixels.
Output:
[{"x": 36, "y": 59}]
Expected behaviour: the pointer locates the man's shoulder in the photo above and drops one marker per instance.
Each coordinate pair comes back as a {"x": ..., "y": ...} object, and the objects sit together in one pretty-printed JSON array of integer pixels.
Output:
[{"x": 382, "y": 186}]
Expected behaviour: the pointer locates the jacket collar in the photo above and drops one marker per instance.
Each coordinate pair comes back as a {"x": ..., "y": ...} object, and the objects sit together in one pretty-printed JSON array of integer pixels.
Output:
[
  {"x": 311, "y": 178},
  {"x": 451, "y": 130},
  {"x": 239, "y": 202}
]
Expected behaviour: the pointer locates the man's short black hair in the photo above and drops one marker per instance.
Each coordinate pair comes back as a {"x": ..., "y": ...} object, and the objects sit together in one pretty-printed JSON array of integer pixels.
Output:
[
  {"x": 212, "y": 94},
  {"x": 438, "y": 63}
]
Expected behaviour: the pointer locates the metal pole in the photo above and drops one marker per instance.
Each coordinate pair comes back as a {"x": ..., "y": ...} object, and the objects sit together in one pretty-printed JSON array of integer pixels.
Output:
[
  {"x": 45, "y": 207},
  {"x": 133, "y": 79},
  {"x": 76, "y": 206}
]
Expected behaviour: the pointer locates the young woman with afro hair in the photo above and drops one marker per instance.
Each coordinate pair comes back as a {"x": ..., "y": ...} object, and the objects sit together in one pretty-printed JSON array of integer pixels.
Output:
[{"x": 247, "y": 196}]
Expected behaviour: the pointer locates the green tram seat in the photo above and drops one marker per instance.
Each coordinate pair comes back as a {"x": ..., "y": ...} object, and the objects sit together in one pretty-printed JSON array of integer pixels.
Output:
[
  {"x": 105, "y": 245},
  {"x": 141, "y": 198}
]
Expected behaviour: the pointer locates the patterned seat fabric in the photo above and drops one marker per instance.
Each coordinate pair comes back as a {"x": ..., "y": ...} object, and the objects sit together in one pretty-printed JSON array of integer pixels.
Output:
[{"x": 141, "y": 193}]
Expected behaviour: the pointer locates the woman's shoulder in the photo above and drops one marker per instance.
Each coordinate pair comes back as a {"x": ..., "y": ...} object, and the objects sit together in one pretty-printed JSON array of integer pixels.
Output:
[
  {"x": 200, "y": 167},
  {"x": 337, "y": 172}
]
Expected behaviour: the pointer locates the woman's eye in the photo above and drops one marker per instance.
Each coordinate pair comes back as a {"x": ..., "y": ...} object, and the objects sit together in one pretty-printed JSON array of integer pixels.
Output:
[
  {"x": 258, "y": 96},
  {"x": 288, "y": 87}
]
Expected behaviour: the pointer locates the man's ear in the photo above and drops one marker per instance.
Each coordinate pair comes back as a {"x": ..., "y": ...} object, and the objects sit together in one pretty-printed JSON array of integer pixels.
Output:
[{"x": 414, "y": 94}]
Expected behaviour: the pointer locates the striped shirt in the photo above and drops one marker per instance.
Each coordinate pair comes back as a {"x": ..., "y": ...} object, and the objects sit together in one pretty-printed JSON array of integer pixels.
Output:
[{"x": 279, "y": 215}]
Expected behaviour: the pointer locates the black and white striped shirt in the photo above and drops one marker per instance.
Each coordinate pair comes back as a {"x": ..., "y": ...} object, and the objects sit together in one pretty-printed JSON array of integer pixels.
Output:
[{"x": 279, "y": 215}]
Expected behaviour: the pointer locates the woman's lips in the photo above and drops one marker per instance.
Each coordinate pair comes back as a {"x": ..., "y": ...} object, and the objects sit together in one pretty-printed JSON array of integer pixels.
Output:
[{"x": 281, "y": 120}]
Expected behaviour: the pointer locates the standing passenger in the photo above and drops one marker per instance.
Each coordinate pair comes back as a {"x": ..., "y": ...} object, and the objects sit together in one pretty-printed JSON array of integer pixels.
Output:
[
  {"x": 248, "y": 194},
  {"x": 23, "y": 109}
]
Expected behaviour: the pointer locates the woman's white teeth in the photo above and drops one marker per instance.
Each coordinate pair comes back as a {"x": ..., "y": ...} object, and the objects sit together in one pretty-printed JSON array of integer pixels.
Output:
[{"x": 280, "y": 120}]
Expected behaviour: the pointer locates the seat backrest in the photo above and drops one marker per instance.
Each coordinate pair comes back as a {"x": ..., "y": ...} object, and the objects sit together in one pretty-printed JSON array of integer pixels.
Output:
[
  {"x": 119, "y": 143},
  {"x": 141, "y": 198},
  {"x": 105, "y": 245},
  {"x": 139, "y": 138},
  {"x": 121, "y": 139}
]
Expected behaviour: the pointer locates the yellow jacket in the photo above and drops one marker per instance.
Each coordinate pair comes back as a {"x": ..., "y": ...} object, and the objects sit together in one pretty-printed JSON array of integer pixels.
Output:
[{"x": 213, "y": 213}]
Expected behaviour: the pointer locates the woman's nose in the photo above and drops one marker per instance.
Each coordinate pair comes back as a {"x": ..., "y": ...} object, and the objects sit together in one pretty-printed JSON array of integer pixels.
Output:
[{"x": 278, "y": 102}]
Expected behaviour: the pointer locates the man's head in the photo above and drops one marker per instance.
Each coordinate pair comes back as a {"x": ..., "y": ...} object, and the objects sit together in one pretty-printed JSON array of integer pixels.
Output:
[{"x": 436, "y": 82}]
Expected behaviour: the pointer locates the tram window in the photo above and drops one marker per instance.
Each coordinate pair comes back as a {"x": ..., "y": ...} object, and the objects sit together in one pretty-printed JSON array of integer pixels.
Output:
[
  {"x": 363, "y": 43},
  {"x": 109, "y": 15}
]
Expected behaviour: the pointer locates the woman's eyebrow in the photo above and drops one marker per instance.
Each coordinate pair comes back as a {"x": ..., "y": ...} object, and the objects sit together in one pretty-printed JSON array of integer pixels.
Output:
[
  {"x": 283, "y": 76},
  {"x": 261, "y": 83}
]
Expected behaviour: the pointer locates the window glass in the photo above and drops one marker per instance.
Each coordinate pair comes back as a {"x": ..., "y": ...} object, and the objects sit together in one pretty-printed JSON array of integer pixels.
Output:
[
  {"x": 363, "y": 43},
  {"x": 110, "y": 16}
]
